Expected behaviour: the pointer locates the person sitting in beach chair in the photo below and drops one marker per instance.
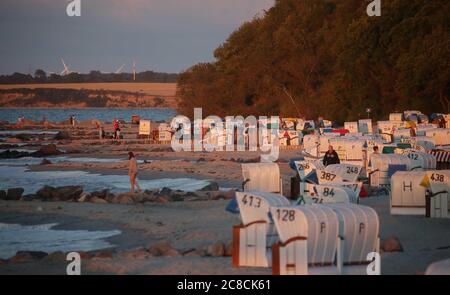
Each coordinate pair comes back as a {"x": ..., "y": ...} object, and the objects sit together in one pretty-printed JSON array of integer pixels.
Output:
[{"x": 331, "y": 157}]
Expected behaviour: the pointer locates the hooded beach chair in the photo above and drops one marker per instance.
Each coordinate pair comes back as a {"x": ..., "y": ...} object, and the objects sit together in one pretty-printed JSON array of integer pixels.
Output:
[
  {"x": 262, "y": 177},
  {"x": 252, "y": 240}
]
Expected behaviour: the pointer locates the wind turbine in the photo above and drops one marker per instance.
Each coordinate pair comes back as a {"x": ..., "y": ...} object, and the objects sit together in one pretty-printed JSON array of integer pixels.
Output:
[
  {"x": 66, "y": 70},
  {"x": 119, "y": 70}
]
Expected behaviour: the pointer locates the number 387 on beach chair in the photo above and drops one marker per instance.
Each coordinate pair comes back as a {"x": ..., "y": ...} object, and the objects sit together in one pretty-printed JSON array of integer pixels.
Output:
[
  {"x": 252, "y": 240},
  {"x": 324, "y": 239}
]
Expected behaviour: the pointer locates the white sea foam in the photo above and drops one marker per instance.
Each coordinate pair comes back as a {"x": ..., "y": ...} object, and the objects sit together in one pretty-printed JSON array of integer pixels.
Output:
[
  {"x": 15, "y": 237},
  {"x": 31, "y": 181}
]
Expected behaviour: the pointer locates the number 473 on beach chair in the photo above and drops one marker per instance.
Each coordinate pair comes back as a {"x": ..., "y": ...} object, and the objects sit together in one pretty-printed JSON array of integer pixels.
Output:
[{"x": 253, "y": 239}]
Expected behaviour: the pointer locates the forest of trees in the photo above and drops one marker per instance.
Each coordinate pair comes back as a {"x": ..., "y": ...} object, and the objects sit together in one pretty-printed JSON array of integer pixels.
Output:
[
  {"x": 41, "y": 76},
  {"x": 331, "y": 59}
]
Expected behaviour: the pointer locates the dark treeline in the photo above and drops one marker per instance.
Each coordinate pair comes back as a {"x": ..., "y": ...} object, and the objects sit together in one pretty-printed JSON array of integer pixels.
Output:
[
  {"x": 41, "y": 76},
  {"x": 331, "y": 59}
]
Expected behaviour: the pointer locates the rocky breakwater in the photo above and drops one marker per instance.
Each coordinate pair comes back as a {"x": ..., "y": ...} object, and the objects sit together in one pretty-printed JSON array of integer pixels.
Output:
[{"x": 76, "y": 194}]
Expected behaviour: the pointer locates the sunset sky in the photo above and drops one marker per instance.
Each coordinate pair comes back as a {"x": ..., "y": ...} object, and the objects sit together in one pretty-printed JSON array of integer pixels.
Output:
[{"x": 162, "y": 35}]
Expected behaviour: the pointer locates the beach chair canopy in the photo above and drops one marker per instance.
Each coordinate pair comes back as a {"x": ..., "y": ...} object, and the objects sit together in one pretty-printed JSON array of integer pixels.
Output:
[
  {"x": 264, "y": 177},
  {"x": 396, "y": 117},
  {"x": 382, "y": 161},
  {"x": 317, "y": 224},
  {"x": 255, "y": 206},
  {"x": 359, "y": 227},
  {"x": 347, "y": 172},
  {"x": 334, "y": 193},
  {"x": 419, "y": 159},
  {"x": 440, "y": 268},
  {"x": 352, "y": 127},
  {"x": 407, "y": 193},
  {"x": 440, "y": 136}
]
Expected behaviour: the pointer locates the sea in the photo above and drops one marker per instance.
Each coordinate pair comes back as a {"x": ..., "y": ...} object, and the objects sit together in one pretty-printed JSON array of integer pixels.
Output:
[{"x": 102, "y": 114}]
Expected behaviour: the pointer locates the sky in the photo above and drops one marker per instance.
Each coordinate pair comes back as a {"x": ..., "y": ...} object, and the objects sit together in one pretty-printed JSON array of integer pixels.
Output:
[{"x": 161, "y": 35}]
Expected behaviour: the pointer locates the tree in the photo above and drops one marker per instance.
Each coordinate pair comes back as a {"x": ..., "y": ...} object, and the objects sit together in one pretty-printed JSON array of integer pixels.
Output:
[
  {"x": 40, "y": 76},
  {"x": 310, "y": 58}
]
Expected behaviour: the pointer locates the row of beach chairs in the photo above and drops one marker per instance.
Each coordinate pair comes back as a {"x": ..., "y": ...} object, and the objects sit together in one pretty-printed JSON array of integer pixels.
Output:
[{"x": 328, "y": 233}]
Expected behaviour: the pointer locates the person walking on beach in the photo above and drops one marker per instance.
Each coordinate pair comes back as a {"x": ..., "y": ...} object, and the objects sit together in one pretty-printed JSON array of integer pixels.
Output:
[
  {"x": 132, "y": 172},
  {"x": 331, "y": 157},
  {"x": 116, "y": 128}
]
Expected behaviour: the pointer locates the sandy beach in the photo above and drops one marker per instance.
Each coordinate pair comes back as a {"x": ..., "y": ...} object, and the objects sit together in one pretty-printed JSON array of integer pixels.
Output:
[{"x": 189, "y": 231}]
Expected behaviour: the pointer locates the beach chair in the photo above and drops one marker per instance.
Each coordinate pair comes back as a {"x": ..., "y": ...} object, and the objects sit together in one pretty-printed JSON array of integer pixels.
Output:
[
  {"x": 359, "y": 232},
  {"x": 304, "y": 169},
  {"x": 262, "y": 177},
  {"x": 309, "y": 243},
  {"x": 379, "y": 169},
  {"x": 352, "y": 127},
  {"x": 309, "y": 240},
  {"x": 407, "y": 196},
  {"x": 333, "y": 193},
  {"x": 437, "y": 195},
  {"x": 440, "y": 268},
  {"x": 252, "y": 240},
  {"x": 347, "y": 172},
  {"x": 419, "y": 159}
]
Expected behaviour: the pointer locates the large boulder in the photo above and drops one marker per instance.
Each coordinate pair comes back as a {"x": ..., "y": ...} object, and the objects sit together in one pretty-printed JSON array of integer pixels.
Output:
[
  {"x": 47, "y": 150},
  {"x": 84, "y": 197},
  {"x": 62, "y": 135},
  {"x": 140, "y": 253},
  {"x": 46, "y": 193},
  {"x": 14, "y": 194},
  {"x": 46, "y": 162},
  {"x": 2, "y": 195},
  {"x": 123, "y": 199},
  {"x": 163, "y": 249},
  {"x": 392, "y": 244},
  {"x": 229, "y": 249},
  {"x": 212, "y": 186},
  {"x": 104, "y": 254},
  {"x": 101, "y": 194},
  {"x": 97, "y": 200},
  {"x": 216, "y": 250},
  {"x": 68, "y": 193},
  {"x": 64, "y": 193},
  {"x": 55, "y": 257},
  {"x": 195, "y": 253},
  {"x": 166, "y": 191},
  {"x": 29, "y": 198},
  {"x": 27, "y": 256},
  {"x": 8, "y": 154}
]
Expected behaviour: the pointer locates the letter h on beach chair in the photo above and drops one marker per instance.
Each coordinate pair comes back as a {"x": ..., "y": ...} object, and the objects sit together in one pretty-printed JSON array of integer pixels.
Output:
[
  {"x": 252, "y": 240},
  {"x": 262, "y": 177}
]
